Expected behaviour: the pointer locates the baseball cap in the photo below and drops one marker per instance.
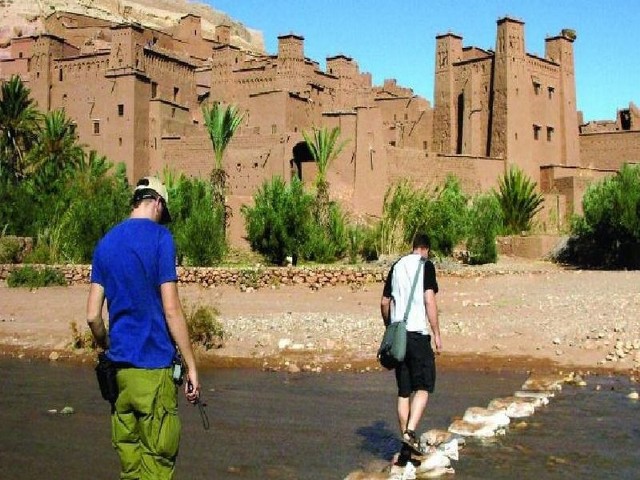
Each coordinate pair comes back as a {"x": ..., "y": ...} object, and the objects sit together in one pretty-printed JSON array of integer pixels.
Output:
[{"x": 152, "y": 187}]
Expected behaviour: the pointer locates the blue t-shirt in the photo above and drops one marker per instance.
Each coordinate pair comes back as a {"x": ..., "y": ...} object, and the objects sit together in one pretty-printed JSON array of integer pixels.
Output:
[{"x": 131, "y": 262}]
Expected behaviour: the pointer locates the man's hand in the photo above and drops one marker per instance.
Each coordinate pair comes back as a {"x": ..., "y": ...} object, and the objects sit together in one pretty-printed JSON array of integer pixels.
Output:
[
  {"x": 438, "y": 342},
  {"x": 192, "y": 388}
]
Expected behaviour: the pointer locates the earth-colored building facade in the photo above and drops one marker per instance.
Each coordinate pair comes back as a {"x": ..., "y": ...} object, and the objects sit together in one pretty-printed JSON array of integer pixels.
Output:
[{"x": 136, "y": 95}]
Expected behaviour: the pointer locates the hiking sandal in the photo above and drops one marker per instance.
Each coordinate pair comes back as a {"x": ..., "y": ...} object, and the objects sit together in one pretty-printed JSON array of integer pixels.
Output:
[{"x": 409, "y": 439}]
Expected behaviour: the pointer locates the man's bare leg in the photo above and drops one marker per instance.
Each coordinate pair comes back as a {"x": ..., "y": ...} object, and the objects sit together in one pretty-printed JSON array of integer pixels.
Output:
[
  {"x": 418, "y": 406},
  {"x": 403, "y": 413}
]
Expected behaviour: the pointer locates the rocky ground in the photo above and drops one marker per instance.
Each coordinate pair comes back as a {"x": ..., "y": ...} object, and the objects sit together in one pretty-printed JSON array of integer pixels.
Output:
[{"x": 515, "y": 314}]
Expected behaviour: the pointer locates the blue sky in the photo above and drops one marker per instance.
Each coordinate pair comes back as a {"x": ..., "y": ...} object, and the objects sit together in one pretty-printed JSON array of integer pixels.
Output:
[{"x": 396, "y": 38}]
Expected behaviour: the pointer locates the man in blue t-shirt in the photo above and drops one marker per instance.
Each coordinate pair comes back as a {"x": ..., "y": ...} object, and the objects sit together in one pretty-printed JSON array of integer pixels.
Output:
[
  {"x": 416, "y": 375},
  {"x": 134, "y": 270}
]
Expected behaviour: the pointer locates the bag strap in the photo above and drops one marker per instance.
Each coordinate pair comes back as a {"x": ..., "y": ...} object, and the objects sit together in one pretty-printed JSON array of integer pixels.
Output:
[{"x": 413, "y": 289}]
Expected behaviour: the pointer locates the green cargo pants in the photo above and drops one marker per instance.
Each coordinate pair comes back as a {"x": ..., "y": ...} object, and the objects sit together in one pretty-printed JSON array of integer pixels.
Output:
[{"x": 145, "y": 428}]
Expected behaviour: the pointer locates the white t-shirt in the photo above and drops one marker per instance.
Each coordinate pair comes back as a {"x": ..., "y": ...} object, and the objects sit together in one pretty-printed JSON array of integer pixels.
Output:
[{"x": 402, "y": 274}]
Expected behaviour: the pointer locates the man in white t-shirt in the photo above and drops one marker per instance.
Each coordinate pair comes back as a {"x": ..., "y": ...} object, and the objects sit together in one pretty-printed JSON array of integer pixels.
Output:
[{"x": 416, "y": 375}]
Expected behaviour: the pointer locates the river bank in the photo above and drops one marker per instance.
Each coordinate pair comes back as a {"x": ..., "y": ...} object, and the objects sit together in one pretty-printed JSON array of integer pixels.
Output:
[{"x": 516, "y": 314}]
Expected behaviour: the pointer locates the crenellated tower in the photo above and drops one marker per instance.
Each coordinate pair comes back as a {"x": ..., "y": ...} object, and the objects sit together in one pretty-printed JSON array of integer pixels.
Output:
[
  {"x": 46, "y": 49},
  {"x": 559, "y": 49},
  {"x": 291, "y": 61},
  {"x": 510, "y": 124},
  {"x": 448, "y": 52}
]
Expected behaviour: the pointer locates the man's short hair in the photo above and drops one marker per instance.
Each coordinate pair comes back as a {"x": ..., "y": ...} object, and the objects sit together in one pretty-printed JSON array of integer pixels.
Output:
[{"x": 421, "y": 240}]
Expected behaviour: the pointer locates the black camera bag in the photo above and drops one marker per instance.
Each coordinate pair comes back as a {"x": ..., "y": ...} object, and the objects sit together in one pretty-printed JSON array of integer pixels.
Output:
[{"x": 106, "y": 371}]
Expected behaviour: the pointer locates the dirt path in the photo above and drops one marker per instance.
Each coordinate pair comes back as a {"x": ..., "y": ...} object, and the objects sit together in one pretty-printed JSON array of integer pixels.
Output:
[{"x": 587, "y": 319}]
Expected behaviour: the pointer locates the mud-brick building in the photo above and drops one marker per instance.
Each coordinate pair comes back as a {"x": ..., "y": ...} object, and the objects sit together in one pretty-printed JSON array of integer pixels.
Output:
[{"x": 136, "y": 94}]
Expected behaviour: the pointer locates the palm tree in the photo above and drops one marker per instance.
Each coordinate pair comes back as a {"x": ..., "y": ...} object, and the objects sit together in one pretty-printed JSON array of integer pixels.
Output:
[
  {"x": 56, "y": 152},
  {"x": 324, "y": 147},
  {"x": 519, "y": 201},
  {"x": 221, "y": 125},
  {"x": 18, "y": 121}
]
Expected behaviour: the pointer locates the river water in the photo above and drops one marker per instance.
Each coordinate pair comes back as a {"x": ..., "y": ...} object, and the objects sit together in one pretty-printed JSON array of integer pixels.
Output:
[{"x": 267, "y": 425}]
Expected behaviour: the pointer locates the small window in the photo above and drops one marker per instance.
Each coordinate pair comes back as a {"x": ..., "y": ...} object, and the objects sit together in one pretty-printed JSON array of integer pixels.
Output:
[
  {"x": 392, "y": 143},
  {"x": 536, "y": 88},
  {"x": 176, "y": 90},
  {"x": 406, "y": 116},
  {"x": 20, "y": 55},
  {"x": 274, "y": 129},
  {"x": 60, "y": 75},
  {"x": 154, "y": 89},
  {"x": 120, "y": 110},
  {"x": 424, "y": 145},
  {"x": 173, "y": 112},
  {"x": 96, "y": 127},
  {"x": 550, "y": 91},
  {"x": 549, "y": 134},
  {"x": 120, "y": 141},
  {"x": 536, "y": 132}
]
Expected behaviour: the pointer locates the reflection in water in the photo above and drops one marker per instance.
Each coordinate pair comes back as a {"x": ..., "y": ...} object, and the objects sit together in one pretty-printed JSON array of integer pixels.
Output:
[{"x": 267, "y": 425}]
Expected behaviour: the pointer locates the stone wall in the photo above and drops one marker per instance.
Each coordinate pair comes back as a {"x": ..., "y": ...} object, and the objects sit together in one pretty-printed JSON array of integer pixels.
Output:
[{"x": 244, "y": 278}]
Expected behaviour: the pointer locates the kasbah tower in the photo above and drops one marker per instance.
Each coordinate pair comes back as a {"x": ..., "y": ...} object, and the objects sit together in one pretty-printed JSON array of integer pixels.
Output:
[{"x": 136, "y": 93}]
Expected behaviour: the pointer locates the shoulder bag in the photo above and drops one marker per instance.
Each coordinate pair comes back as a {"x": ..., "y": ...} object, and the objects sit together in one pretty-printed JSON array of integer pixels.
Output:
[{"x": 394, "y": 341}]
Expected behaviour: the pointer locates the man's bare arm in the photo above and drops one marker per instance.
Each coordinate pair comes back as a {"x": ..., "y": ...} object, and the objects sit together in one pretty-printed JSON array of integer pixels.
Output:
[
  {"x": 385, "y": 309},
  {"x": 95, "y": 301},
  {"x": 432, "y": 314},
  {"x": 180, "y": 334}
]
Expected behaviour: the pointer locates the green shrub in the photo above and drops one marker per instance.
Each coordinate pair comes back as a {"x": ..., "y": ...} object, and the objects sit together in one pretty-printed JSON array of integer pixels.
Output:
[
  {"x": 97, "y": 199},
  {"x": 400, "y": 200},
  {"x": 82, "y": 339},
  {"x": 35, "y": 278},
  {"x": 608, "y": 233},
  {"x": 9, "y": 249},
  {"x": 278, "y": 225},
  {"x": 444, "y": 218},
  {"x": 356, "y": 238},
  {"x": 204, "y": 327},
  {"x": 198, "y": 225},
  {"x": 485, "y": 221},
  {"x": 519, "y": 201},
  {"x": 440, "y": 212},
  {"x": 17, "y": 213},
  {"x": 327, "y": 243}
]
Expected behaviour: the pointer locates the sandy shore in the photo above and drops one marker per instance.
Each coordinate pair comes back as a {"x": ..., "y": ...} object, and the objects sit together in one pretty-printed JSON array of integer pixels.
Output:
[{"x": 514, "y": 315}]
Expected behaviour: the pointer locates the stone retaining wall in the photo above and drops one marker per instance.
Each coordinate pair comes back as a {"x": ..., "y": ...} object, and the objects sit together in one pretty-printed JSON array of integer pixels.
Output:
[{"x": 244, "y": 278}]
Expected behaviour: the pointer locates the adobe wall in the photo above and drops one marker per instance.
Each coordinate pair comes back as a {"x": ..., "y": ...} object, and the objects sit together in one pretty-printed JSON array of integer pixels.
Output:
[
  {"x": 407, "y": 121},
  {"x": 472, "y": 80},
  {"x": 571, "y": 183},
  {"x": 555, "y": 213},
  {"x": 531, "y": 246},
  {"x": 75, "y": 28},
  {"x": 11, "y": 67},
  {"x": 610, "y": 150},
  {"x": 476, "y": 174}
]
